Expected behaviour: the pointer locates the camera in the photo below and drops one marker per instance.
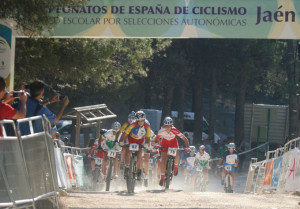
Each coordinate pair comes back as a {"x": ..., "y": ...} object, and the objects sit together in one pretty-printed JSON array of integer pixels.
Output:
[
  {"x": 16, "y": 94},
  {"x": 61, "y": 97}
]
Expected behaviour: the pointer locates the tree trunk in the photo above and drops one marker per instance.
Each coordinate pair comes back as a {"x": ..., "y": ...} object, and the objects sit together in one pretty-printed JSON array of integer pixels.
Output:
[
  {"x": 212, "y": 104},
  {"x": 291, "y": 74},
  {"x": 239, "y": 110},
  {"x": 168, "y": 98},
  {"x": 180, "y": 103},
  {"x": 198, "y": 110}
]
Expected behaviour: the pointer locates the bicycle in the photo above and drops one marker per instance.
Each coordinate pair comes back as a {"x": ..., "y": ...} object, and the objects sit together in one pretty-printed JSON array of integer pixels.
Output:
[
  {"x": 132, "y": 174},
  {"x": 228, "y": 178},
  {"x": 97, "y": 176},
  {"x": 200, "y": 182},
  {"x": 111, "y": 155},
  {"x": 170, "y": 165}
]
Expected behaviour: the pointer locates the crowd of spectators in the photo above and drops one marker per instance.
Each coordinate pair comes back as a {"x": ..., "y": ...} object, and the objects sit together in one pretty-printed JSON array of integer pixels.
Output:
[{"x": 29, "y": 101}]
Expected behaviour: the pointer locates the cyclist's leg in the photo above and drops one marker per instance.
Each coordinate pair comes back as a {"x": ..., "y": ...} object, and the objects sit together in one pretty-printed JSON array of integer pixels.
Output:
[
  {"x": 116, "y": 163},
  {"x": 140, "y": 160},
  {"x": 232, "y": 176},
  {"x": 163, "y": 164},
  {"x": 93, "y": 164},
  {"x": 127, "y": 156},
  {"x": 104, "y": 163},
  {"x": 206, "y": 174},
  {"x": 146, "y": 161}
]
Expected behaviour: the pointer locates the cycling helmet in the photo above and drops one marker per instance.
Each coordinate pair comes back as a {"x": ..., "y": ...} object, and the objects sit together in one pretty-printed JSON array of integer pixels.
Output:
[
  {"x": 116, "y": 126},
  {"x": 192, "y": 148},
  {"x": 103, "y": 131},
  {"x": 131, "y": 117},
  {"x": 140, "y": 115},
  {"x": 202, "y": 148},
  {"x": 168, "y": 121},
  {"x": 231, "y": 145}
]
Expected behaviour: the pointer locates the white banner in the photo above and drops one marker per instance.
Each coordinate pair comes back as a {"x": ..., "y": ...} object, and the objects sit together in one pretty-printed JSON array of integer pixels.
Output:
[
  {"x": 293, "y": 171},
  {"x": 7, "y": 55}
]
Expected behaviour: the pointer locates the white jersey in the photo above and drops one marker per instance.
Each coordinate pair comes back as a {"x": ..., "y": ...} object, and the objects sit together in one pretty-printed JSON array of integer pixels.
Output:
[
  {"x": 109, "y": 135},
  {"x": 190, "y": 161},
  {"x": 204, "y": 159}
]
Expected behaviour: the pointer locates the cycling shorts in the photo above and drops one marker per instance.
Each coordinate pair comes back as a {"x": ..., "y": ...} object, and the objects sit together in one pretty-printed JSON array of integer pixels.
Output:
[
  {"x": 168, "y": 143},
  {"x": 135, "y": 141},
  {"x": 99, "y": 154}
]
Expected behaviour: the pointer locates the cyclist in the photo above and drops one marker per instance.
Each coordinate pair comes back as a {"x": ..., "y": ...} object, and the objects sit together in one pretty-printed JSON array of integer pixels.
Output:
[
  {"x": 204, "y": 160},
  {"x": 230, "y": 157},
  {"x": 110, "y": 143},
  {"x": 190, "y": 162},
  {"x": 131, "y": 119},
  {"x": 99, "y": 152},
  {"x": 138, "y": 133},
  {"x": 167, "y": 136}
]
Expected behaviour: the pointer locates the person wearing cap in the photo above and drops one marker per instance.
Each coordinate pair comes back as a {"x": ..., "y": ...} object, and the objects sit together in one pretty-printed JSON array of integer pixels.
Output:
[{"x": 34, "y": 108}]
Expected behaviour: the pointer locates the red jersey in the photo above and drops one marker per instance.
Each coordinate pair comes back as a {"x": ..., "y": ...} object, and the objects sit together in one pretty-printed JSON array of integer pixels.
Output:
[{"x": 6, "y": 112}]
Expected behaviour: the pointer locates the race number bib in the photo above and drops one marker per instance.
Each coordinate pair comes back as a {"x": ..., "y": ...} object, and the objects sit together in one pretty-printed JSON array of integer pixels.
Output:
[
  {"x": 172, "y": 151},
  {"x": 150, "y": 161},
  {"x": 98, "y": 161},
  {"x": 111, "y": 153},
  {"x": 228, "y": 167},
  {"x": 134, "y": 147}
]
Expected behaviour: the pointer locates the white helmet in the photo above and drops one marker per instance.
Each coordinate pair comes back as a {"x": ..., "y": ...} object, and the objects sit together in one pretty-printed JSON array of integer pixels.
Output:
[
  {"x": 140, "y": 115},
  {"x": 116, "y": 126},
  {"x": 202, "y": 148},
  {"x": 231, "y": 145},
  {"x": 168, "y": 121},
  {"x": 131, "y": 117}
]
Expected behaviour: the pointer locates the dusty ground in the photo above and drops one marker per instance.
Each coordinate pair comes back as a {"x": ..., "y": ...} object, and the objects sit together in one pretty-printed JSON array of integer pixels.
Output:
[{"x": 179, "y": 196}]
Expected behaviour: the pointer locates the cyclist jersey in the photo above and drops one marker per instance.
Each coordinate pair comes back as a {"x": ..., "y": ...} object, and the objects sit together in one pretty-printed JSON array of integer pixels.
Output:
[
  {"x": 190, "y": 161},
  {"x": 96, "y": 144},
  {"x": 204, "y": 159},
  {"x": 137, "y": 132},
  {"x": 162, "y": 133},
  {"x": 124, "y": 126},
  {"x": 152, "y": 136},
  {"x": 230, "y": 158},
  {"x": 110, "y": 138}
]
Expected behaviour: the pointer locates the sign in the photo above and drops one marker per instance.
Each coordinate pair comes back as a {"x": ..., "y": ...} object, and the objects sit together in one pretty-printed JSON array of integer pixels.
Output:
[
  {"x": 276, "y": 171},
  {"x": 268, "y": 173},
  {"x": 7, "y": 55},
  {"x": 257, "y": 19}
]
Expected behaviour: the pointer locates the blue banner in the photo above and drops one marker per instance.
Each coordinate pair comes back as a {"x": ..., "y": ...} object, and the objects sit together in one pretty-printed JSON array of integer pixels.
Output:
[{"x": 276, "y": 171}]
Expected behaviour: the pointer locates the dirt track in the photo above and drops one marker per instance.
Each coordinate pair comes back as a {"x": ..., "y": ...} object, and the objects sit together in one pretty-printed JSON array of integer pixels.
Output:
[
  {"x": 180, "y": 197},
  {"x": 177, "y": 199}
]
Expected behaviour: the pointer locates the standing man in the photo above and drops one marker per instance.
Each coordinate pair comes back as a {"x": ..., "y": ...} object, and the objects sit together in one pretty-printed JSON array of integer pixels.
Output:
[{"x": 34, "y": 108}]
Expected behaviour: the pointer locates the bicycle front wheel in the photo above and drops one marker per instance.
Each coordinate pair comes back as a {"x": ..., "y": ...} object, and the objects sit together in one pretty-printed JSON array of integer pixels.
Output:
[
  {"x": 109, "y": 173},
  {"x": 170, "y": 163}
]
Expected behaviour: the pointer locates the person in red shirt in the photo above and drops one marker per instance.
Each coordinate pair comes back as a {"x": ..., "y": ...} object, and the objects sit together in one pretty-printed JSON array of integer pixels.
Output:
[
  {"x": 7, "y": 111},
  {"x": 167, "y": 136}
]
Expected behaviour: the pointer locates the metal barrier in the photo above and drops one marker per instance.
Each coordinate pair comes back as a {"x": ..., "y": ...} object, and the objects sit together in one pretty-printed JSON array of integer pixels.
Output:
[
  {"x": 271, "y": 174},
  {"x": 38, "y": 155},
  {"x": 27, "y": 167},
  {"x": 15, "y": 190}
]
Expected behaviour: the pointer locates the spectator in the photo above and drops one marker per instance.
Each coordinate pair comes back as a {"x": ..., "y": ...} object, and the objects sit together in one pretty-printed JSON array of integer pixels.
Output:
[
  {"x": 57, "y": 137},
  {"x": 222, "y": 148},
  {"x": 7, "y": 111},
  {"x": 67, "y": 142},
  {"x": 34, "y": 108}
]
